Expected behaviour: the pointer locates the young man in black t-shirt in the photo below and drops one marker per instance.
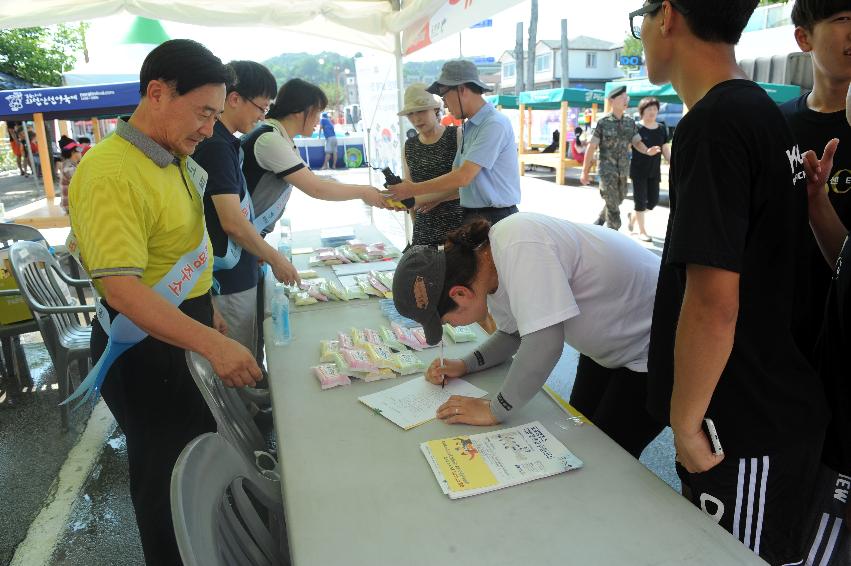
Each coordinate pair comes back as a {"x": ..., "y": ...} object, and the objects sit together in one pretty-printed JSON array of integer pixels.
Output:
[
  {"x": 229, "y": 212},
  {"x": 721, "y": 346},
  {"x": 823, "y": 29},
  {"x": 829, "y": 542}
]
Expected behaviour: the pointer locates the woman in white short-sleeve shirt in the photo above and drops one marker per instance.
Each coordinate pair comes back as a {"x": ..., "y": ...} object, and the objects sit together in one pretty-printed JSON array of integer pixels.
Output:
[
  {"x": 547, "y": 282},
  {"x": 271, "y": 163}
]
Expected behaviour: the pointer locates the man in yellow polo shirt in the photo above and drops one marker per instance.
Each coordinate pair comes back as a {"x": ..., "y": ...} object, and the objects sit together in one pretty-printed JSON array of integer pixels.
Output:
[{"x": 137, "y": 214}]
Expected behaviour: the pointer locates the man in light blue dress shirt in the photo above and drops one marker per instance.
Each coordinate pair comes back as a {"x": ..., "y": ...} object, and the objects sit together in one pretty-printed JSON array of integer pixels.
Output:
[{"x": 485, "y": 167}]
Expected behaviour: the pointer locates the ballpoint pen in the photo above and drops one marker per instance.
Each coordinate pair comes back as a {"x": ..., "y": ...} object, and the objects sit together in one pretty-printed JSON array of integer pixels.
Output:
[{"x": 442, "y": 383}]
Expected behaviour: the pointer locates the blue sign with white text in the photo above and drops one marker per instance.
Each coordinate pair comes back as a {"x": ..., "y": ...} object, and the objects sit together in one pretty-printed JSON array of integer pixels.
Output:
[
  {"x": 70, "y": 99},
  {"x": 483, "y": 24},
  {"x": 631, "y": 61}
]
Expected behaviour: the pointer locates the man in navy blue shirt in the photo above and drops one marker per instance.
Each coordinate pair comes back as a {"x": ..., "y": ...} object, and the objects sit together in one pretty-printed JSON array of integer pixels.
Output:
[
  {"x": 326, "y": 128},
  {"x": 237, "y": 244}
]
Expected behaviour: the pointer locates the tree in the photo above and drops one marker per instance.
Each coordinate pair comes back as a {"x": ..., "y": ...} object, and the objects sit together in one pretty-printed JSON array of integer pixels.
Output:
[
  {"x": 325, "y": 67},
  {"x": 632, "y": 46},
  {"x": 41, "y": 55},
  {"x": 335, "y": 93}
]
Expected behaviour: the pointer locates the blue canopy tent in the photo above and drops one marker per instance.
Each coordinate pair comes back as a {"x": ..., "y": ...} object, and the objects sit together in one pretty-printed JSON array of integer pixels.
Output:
[
  {"x": 553, "y": 99},
  {"x": 68, "y": 102}
]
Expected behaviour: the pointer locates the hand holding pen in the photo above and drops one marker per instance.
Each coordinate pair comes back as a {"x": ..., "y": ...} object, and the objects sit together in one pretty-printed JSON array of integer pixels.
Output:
[
  {"x": 439, "y": 371},
  {"x": 442, "y": 366}
]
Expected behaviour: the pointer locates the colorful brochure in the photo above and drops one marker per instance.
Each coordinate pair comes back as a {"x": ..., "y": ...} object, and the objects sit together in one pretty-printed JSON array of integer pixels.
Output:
[{"x": 470, "y": 465}]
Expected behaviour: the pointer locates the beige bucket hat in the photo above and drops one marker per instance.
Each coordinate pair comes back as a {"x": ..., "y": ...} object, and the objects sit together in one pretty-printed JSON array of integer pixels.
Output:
[{"x": 417, "y": 98}]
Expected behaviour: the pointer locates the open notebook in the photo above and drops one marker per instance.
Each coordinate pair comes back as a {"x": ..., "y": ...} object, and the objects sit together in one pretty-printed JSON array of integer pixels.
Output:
[
  {"x": 467, "y": 465},
  {"x": 416, "y": 401}
]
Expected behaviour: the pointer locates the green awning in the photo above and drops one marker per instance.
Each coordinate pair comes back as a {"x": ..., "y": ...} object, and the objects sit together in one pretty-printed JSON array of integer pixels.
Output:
[
  {"x": 640, "y": 88},
  {"x": 551, "y": 99},
  {"x": 507, "y": 101},
  {"x": 781, "y": 93}
]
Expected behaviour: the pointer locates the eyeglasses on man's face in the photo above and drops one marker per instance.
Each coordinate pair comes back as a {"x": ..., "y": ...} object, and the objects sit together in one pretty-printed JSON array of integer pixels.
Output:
[
  {"x": 636, "y": 18},
  {"x": 443, "y": 92},
  {"x": 265, "y": 111}
]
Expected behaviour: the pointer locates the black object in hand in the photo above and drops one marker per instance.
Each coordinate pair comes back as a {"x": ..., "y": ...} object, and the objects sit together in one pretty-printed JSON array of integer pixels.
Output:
[{"x": 390, "y": 178}]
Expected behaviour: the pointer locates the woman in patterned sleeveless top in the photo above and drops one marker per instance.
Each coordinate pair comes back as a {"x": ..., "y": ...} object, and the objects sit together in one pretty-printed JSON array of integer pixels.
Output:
[{"x": 430, "y": 154}]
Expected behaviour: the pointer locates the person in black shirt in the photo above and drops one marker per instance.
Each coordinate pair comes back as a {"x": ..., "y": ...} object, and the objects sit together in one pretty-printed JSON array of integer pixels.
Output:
[
  {"x": 720, "y": 344},
  {"x": 429, "y": 153},
  {"x": 823, "y": 29},
  {"x": 645, "y": 170},
  {"x": 229, "y": 210},
  {"x": 830, "y": 505}
]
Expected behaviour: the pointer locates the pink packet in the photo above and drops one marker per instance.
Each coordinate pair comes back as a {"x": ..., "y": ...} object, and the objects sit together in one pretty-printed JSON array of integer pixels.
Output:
[
  {"x": 406, "y": 337},
  {"x": 419, "y": 333},
  {"x": 372, "y": 336},
  {"x": 329, "y": 376},
  {"x": 346, "y": 342},
  {"x": 357, "y": 245},
  {"x": 313, "y": 291},
  {"x": 359, "y": 360}
]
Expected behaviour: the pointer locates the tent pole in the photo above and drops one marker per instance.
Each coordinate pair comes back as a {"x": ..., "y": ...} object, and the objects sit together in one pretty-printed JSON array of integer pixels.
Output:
[
  {"x": 96, "y": 130},
  {"x": 562, "y": 141},
  {"x": 521, "y": 146},
  {"x": 400, "y": 96},
  {"x": 529, "y": 127},
  {"x": 28, "y": 146},
  {"x": 44, "y": 151}
]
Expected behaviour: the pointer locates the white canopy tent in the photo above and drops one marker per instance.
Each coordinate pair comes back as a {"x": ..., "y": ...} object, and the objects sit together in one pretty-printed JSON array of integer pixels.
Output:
[
  {"x": 369, "y": 23},
  {"x": 374, "y": 24}
]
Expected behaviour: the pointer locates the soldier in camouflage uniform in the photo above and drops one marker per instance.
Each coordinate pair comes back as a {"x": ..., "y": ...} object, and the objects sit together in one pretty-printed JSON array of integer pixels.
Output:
[{"x": 613, "y": 135}]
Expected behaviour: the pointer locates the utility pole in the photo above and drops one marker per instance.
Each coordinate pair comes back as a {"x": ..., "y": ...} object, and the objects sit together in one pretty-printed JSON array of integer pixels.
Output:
[
  {"x": 518, "y": 60},
  {"x": 565, "y": 56},
  {"x": 533, "y": 39}
]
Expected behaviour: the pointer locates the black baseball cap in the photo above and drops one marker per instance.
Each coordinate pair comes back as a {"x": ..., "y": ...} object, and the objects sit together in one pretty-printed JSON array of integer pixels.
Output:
[{"x": 417, "y": 285}]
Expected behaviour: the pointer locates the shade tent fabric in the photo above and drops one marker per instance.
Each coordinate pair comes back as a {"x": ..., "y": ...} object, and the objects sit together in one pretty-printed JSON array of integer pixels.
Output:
[
  {"x": 640, "y": 88},
  {"x": 551, "y": 99},
  {"x": 70, "y": 102},
  {"x": 368, "y": 23},
  {"x": 506, "y": 101},
  {"x": 781, "y": 93}
]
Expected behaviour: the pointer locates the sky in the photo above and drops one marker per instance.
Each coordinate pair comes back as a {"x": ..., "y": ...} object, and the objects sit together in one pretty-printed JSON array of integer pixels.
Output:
[{"x": 243, "y": 43}]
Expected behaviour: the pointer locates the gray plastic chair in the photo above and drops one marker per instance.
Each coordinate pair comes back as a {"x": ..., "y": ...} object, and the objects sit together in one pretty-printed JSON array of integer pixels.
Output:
[
  {"x": 215, "y": 496},
  {"x": 234, "y": 421},
  {"x": 16, "y": 367},
  {"x": 66, "y": 337}
]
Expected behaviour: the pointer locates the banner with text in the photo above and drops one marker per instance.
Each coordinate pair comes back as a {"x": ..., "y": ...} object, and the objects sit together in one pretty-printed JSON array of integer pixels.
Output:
[
  {"x": 379, "y": 103},
  {"x": 93, "y": 99},
  {"x": 454, "y": 16}
]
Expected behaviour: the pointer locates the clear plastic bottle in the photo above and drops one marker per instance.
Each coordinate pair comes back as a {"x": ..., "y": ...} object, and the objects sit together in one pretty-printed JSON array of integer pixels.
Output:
[
  {"x": 285, "y": 244},
  {"x": 281, "y": 334}
]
